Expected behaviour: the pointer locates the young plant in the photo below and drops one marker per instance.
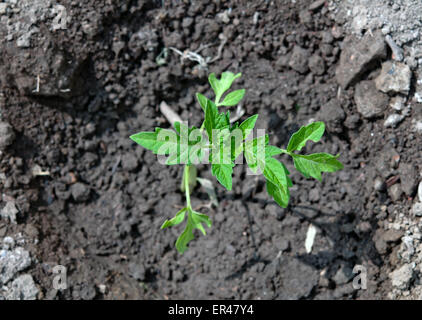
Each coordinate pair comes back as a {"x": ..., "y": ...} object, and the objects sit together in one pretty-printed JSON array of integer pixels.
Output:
[{"x": 222, "y": 144}]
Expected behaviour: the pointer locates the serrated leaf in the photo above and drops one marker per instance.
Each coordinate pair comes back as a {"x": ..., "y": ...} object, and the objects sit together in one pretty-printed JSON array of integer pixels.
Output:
[
  {"x": 177, "y": 219},
  {"x": 195, "y": 220},
  {"x": 162, "y": 141},
  {"x": 248, "y": 125},
  {"x": 272, "y": 151},
  {"x": 254, "y": 152},
  {"x": 277, "y": 193},
  {"x": 278, "y": 182},
  {"x": 215, "y": 121},
  {"x": 222, "y": 85},
  {"x": 202, "y": 100},
  {"x": 223, "y": 173},
  {"x": 314, "y": 164},
  {"x": 233, "y": 98},
  {"x": 313, "y": 131}
]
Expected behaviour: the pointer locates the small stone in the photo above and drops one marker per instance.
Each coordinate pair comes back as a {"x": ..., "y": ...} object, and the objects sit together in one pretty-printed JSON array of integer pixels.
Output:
[
  {"x": 394, "y": 77},
  {"x": 9, "y": 212},
  {"x": 369, "y": 101},
  {"x": 3, "y": 7},
  {"x": 379, "y": 184},
  {"x": 357, "y": 57},
  {"x": 397, "y": 103},
  {"x": 316, "y": 5},
  {"x": 393, "y": 120},
  {"x": 8, "y": 243},
  {"x": 420, "y": 191},
  {"x": 401, "y": 277},
  {"x": 22, "y": 288},
  {"x": 417, "y": 209},
  {"x": 395, "y": 192},
  {"x": 317, "y": 65},
  {"x": 343, "y": 275},
  {"x": 299, "y": 60},
  {"x": 11, "y": 262},
  {"x": 80, "y": 192},
  {"x": 392, "y": 236},
  {"x": 7, "y": 135}
]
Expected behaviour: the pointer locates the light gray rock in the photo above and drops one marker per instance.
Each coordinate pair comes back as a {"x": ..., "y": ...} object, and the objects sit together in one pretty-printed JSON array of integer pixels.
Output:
[
  {"x": 23, "y": 288},
  {"x": 393, "y": 120},
  {"x": 417, "y": 209},
  {"x": 395, "y": 192},
  {"x": 370, "y": 102},
  {"x": 11, "y": 262},
  {"x": 357, "y": 57},
  {"x": 397, "y": 103},
  {"x": 400, "y": 278},
  {"x": 420, "y": 191},
  {"x": 3, "y": 7},
  {"x": 9, "y": 212},
  {"x": 7, "y": 135},
  {"x": 394, "y": 77}
]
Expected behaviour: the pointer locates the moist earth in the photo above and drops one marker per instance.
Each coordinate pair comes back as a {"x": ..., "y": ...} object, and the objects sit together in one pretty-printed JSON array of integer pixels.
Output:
[{"x": 78, "y": 77}]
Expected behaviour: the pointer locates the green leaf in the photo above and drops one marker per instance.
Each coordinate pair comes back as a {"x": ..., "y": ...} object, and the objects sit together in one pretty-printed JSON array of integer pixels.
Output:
[
  {"x": 313, "y": 131},
  {"x": 233, "y": 98},
  {"x": 195, "y": 220},
  {"x": 312, "y": 165},
  {"x": 178, "y": 218},
  {"x": 162, "y": 141},
  {"x": 202, "y": 100},
  {"x": 254, "y": 151},
  {"x": 223, "y": 173},
  {"x": 215, "y": 120},
  {"x": 222, "y": 85},
  {"x": 272, "y": 151},
  {"x": 278, "y": 182},
  {"x": 248, "y": 125}
]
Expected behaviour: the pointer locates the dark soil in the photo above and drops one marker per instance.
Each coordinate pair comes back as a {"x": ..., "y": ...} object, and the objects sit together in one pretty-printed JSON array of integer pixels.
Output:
[{"x": 100, "y": 210}]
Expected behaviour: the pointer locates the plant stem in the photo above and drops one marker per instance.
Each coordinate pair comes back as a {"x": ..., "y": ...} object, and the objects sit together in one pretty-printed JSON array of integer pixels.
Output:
[{"x": 187, "y": 190}]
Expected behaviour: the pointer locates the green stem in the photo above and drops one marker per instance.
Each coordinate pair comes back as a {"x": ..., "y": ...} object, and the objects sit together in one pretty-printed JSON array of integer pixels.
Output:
[{"x": 187, "y": 190}]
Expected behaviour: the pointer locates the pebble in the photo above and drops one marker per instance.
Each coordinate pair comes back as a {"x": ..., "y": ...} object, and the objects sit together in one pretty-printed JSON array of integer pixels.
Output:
[
  {"x": 9, "y": 212},
  {"x": 397, "y": 103},
  {"x": 369, "y": 101},
  {"x": 393, "y": 120},
  {"x": 358, "y": 55},
  {"x": 417, "y": 209},
  {"x": 22, "y": 288},
  {"x": 394, "y": 77},
  {"x": 7, "y": 135},
  {"x": 400, "y": 278},
  {"x": 11, "y": 262},
  {"x": 395, "y": 192},
  {"x": 420, "y": 191}
]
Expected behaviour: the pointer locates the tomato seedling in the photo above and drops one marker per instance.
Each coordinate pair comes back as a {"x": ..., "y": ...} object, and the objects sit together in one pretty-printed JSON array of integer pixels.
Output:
[{"x": 222, "y": 145}]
